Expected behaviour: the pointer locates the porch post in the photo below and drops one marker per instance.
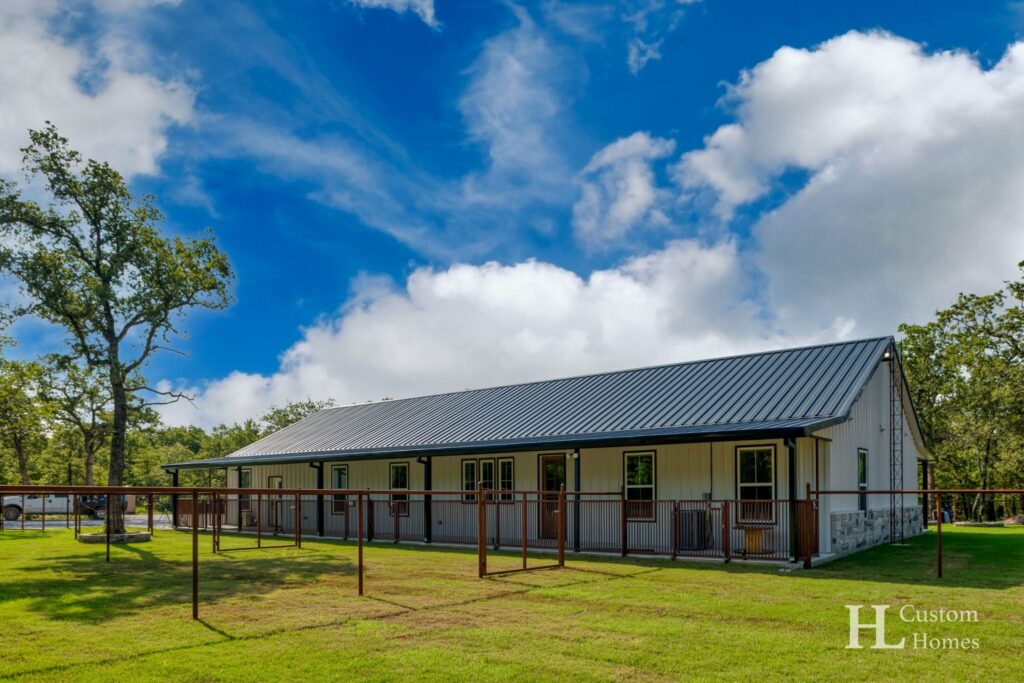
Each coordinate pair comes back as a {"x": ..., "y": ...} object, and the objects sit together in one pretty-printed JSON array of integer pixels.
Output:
[
  {"x": 576, "y": 503},
  {"x": 428, "y": 485},
  {"x": 174, "y": 499},
  {"x": 791, "y": 449},
  {"x": 319, "y": 467},
  {"x": 238, "y": 484}
]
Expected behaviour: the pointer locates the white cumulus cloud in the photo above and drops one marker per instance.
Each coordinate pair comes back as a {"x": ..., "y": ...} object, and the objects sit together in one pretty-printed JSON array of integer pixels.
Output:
[
  {"x": 914, "y": 163},
  {"x": 121, "y": 115},
  {"x": 471, "y": 326}
]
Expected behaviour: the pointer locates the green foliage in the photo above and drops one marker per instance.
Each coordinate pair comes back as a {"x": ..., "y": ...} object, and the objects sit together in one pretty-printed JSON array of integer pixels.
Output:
[
  {"x": 23, "y": 416},
  {"x": 277, "y": 418},
  {"x": 95, "y": 263},
  {"x": 966, "y": 371}
]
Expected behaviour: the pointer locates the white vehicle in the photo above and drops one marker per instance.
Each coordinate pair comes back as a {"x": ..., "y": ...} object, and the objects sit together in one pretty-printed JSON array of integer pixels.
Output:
[{"x": 35, "y": 504}]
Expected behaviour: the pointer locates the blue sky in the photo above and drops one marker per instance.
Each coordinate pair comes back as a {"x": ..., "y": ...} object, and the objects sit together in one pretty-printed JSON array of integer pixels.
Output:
[{"x": 423, "y": 196}]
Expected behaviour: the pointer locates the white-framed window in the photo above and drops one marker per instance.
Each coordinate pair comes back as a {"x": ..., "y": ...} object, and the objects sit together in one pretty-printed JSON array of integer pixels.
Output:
[
  {"x": 755, "y": 483},
  {"x": 399, "y": 478},
  {"x": 469, "y": 479},
  {"x": 339, "y": 480},
  {"x": 640, "y": 477},
  {"x": 506, "y": 477},
  {"x": 862, "y": 478}
]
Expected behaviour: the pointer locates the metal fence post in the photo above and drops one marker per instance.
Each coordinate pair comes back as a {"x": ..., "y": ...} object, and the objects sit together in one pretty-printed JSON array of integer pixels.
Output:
[
  {"x": 561, "y": 526},
  {"x": 526, "y": 527},
  {"x": 725, "y": 530},
  {"x": 938, "y": 534},
  {"x": 625, "y": 523},
  {"x": 298, "y": 521},
  {"x": 359, "y": 537},
  {"x": 675, "y": 529},
  {"x": 369, "y": 517},
  {"x": 149, "y": 513},
  {"x": 259, "y": 519},
  {"x": 213, "y": 527},
  {"x": 44, "y": 512},
  {"x": 810, "y": 533},
  {"x": 497, "y": 522},
  {"x": 481, "y": 532},
  {"x": 195, "y": 554},
  {"x": 106, "y": 523}
]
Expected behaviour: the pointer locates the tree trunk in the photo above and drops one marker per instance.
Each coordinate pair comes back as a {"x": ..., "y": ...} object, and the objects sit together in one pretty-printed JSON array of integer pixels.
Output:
[
  {"x": 19, "y": 450},
  {"x": 90, "y": 464},
  {"x": 117, "y": 440}
]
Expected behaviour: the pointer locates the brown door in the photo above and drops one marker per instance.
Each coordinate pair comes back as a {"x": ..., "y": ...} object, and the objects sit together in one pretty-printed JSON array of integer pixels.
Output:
[{"x": 552, "y": 479}]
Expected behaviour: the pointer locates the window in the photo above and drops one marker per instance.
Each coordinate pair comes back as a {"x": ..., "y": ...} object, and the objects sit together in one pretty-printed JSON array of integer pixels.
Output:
[
  {"x": 399, "y": 482},
  {"x": 862, "y": 478},
  {"x": 244, "y": 482},
  {"x": 486, "y": 469},
  {"x": 339, "y": 480},
  {"x": 506, "y": 477},
  {"x": 640, "y": 486},
  {"x": 469, "y": 479},
  {"x": 756, "y": 483}
]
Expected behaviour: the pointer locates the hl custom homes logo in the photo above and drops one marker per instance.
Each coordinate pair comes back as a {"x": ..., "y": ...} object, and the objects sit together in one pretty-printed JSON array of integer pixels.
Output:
[{"x": 921, "y": 639}]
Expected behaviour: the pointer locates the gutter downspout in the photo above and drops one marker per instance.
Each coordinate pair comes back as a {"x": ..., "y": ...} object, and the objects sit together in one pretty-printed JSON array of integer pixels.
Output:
[
  {"x": 319, "y": 467},
  {"x": 428, "y": 485},
  {"x": 791, "y": 448}
]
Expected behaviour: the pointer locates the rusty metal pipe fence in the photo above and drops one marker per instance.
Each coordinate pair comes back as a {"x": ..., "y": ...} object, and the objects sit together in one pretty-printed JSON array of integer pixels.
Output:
[{"x": 608, "y": 522}]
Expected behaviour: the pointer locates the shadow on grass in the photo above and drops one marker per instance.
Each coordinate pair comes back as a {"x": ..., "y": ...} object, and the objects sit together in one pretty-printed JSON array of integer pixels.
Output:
[{"x": 85, "y": 588}]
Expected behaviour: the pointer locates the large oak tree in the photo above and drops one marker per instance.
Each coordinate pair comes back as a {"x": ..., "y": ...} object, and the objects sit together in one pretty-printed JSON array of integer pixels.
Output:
[{"x": 94, "y": 261}]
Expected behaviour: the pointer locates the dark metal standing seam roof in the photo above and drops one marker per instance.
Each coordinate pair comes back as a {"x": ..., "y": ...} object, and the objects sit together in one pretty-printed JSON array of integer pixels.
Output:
[{"x": 781, "y": 393}]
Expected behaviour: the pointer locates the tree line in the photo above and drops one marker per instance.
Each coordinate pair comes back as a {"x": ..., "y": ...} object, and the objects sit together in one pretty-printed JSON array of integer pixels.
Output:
[{"x": 966, "y": 375}]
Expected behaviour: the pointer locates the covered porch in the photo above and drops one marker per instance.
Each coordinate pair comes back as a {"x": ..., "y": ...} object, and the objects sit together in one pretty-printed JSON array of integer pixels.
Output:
[{"x": 723, "y": 499}]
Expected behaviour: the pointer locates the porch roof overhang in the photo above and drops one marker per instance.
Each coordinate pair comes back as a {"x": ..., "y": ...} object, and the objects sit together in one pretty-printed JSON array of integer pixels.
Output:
[{"x": 774, "y": 429}]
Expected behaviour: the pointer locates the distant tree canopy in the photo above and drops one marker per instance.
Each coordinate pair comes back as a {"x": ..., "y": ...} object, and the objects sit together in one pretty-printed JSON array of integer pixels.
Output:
[
  {"x": 966, "y": 374},
  {"x": 278, "y": 418},
  {"x": 23, "y": 414}
]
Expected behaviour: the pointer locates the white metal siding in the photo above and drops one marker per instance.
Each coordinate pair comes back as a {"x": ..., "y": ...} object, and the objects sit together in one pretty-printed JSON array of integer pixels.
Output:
[{"x": 868, "y": 427}]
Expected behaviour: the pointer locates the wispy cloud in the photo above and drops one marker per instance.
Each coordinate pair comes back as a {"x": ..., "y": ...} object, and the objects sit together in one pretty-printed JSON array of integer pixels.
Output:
[
  {"x": 618, "y": 190},
  {"x": 650, "y": 22},
  {"x": 424, "y": 9}
]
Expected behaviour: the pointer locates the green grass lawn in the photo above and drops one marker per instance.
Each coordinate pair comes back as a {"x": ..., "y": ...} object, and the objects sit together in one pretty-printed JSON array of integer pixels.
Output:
[{"x": 294, "y": 614}]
